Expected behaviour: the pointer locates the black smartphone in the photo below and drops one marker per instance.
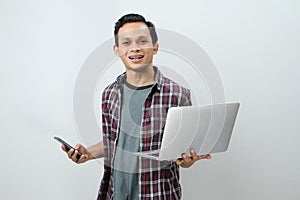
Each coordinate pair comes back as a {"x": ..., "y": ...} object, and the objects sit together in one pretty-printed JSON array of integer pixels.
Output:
[{"x": 68, "y": 147}]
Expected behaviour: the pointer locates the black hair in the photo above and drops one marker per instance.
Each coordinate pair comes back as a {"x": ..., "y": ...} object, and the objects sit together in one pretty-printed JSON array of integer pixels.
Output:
[{"x": 134, "y": 18}]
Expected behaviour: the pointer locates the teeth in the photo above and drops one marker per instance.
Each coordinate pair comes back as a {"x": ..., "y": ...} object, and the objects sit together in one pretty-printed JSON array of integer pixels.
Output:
[{"x": 136, "y": 57}]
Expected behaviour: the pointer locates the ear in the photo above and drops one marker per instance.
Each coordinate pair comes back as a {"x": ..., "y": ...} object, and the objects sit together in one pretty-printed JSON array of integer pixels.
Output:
[
  {"x": 155, "y": 48},
  {"x": 116, "y": 50}
]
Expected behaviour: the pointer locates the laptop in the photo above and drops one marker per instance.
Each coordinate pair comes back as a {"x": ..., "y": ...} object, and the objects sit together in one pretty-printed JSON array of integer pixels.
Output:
[{"x": 207, "y": 129}]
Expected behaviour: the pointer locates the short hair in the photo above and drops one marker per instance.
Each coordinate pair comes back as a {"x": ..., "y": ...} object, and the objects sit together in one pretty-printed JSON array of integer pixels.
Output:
[{"x": 134, "y": 18}]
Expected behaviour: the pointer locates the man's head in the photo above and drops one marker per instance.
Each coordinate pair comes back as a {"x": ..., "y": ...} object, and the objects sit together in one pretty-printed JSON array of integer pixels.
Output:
[
  {"x": 136, "y": 42},
  {"x": 129, "y": 18}
]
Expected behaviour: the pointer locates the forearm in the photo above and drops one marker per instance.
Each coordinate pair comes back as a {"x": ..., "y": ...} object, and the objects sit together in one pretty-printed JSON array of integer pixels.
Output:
[{"x": 96, "y": 151}]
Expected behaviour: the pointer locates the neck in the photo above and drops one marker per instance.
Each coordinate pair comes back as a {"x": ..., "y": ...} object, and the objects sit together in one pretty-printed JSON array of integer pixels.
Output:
[{"x": 141, "y": 78}]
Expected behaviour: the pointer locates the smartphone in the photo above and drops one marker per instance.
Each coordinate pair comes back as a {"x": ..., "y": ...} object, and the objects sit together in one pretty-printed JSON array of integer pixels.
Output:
[{"x": 68, "y": 147}]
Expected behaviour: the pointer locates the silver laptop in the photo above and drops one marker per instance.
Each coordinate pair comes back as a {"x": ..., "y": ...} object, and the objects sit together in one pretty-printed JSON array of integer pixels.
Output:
[{"x": 207, "y": 129}]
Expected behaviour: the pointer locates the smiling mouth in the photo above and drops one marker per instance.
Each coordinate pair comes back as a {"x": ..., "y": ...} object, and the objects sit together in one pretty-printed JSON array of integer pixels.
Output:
[{"x": 137, "y": 57}]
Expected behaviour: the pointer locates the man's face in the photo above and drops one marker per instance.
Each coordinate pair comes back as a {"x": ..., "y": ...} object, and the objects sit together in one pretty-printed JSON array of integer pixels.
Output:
[{"x": 135, "y": 46}]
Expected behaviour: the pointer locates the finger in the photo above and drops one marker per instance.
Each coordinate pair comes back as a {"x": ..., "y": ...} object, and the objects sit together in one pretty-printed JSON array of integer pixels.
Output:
[
  {"x": 64, "y": 148},
  {"x": 77, "y": 146},
  {"x": 185, "y": 158},
  {"x": 179, "y": 161},
  {"x": 70, "y": 153},
  {"x": 74, "y": 156},
  {"x": 208, "y": 156},
  {"x": 82, "y": 159},
  {"x": 194, "y": 155}
]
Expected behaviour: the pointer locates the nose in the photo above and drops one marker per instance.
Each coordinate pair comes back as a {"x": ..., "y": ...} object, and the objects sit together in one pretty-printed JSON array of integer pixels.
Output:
[{"x": 135, "y": 47}]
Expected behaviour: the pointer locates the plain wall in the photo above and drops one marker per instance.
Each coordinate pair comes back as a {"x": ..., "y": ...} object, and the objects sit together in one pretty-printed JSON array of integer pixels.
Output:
[{"x": 254, "y": 45}]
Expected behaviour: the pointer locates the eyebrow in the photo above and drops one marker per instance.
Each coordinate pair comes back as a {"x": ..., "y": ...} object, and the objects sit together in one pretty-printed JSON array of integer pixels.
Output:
[
  {"x": 126, "y": 38},
  {"x": 130, "y": 38},
  {"x": 142, "y": 36}
]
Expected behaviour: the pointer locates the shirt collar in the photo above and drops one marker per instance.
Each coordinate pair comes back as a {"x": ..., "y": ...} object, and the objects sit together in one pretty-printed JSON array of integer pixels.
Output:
[{"x": 159, "y": 78}]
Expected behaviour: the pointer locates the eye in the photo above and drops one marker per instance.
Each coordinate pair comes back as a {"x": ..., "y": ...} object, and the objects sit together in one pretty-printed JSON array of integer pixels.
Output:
[
  {"x": 143, "y": 41},
  {"x": 125, "y": 43}
]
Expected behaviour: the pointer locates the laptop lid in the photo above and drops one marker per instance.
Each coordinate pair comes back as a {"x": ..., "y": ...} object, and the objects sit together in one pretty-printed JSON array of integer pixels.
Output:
[{"x": 207, "y": 129}]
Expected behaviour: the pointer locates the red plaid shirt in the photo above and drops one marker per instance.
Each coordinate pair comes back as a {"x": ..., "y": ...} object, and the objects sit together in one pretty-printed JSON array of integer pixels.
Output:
[{"x": 157, "y": 180}]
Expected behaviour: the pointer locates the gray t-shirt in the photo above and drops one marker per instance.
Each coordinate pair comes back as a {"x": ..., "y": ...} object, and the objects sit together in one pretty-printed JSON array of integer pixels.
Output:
[{"x": 125, "y": 172}]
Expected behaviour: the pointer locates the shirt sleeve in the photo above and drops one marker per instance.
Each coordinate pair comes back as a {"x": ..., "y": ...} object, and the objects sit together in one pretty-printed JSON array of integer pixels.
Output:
[{"x": 186, "y": 98}]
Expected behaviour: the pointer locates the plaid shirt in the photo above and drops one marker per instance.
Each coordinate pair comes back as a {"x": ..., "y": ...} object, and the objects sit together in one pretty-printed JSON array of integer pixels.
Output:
[{"x": 157, "y": 180}]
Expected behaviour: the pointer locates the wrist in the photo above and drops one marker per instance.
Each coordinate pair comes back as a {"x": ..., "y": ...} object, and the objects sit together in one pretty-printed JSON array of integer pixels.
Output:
[{"x": 90, "y": 156}]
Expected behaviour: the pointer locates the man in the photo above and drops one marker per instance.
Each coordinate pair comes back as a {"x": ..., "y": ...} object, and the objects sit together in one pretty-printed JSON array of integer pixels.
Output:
[{"x": 134, "y": 111}]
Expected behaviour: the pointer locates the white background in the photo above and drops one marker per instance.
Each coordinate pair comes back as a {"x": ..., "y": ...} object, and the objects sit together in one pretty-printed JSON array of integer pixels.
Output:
[{"x": 254, "y": 44}]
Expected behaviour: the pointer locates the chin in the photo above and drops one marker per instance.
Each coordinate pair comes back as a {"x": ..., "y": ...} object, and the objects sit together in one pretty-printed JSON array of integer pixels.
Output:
[{"x": 138, "y": 67}]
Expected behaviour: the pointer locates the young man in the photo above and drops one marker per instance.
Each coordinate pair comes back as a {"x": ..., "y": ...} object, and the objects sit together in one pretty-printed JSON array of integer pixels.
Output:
[{"x": 134, "y": 111}]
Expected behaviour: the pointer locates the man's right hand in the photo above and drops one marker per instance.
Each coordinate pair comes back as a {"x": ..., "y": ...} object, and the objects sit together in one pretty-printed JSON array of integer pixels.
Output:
[{"x": 72, "y": 153}]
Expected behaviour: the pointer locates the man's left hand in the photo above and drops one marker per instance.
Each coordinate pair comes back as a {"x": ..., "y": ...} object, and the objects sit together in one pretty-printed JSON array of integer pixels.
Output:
[{"x": 187, "y": 162}]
